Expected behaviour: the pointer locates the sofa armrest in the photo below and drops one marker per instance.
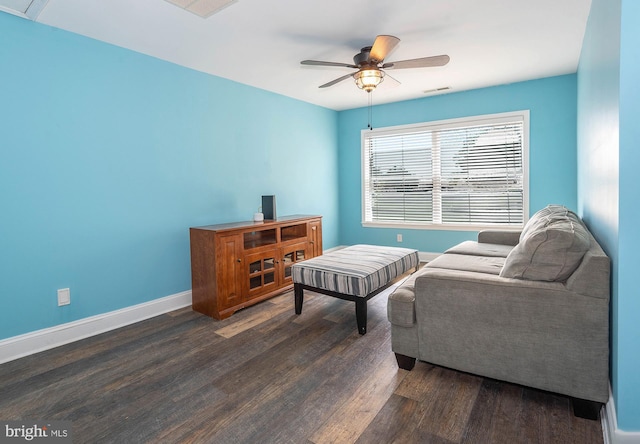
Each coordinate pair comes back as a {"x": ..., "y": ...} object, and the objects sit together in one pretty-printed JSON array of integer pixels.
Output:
[
  {"x": 400, "y": 307},
  {"x": 502, "y": 237}
]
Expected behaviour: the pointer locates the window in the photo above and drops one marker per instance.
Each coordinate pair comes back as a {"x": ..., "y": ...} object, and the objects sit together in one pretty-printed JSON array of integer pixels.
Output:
[{"x": 464, "y": 174}]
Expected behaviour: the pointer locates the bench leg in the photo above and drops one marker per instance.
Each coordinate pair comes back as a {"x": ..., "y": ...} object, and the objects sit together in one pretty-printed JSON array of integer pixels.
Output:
[
  {"x": 361, "y": 315},
  {"x": 299, "y": 298}
]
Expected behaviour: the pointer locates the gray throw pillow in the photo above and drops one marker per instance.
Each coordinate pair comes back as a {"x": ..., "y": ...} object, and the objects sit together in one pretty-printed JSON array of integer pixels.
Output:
[
  {"x": 549, "y": 251},
  {"x": 540, "y": 218}
]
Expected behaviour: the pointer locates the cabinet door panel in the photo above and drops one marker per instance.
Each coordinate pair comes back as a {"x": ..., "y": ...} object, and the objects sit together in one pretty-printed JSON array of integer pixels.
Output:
[
  {"x": 315, "y": 238},
  {"x": 229, "y": 284}
]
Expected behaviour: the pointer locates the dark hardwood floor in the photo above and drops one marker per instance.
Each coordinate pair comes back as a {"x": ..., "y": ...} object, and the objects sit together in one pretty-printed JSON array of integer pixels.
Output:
[{"x": 266, "y": 375}]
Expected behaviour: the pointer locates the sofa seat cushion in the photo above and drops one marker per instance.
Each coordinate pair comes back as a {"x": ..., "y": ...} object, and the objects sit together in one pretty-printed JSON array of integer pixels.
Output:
[
  {"x": 550, "y": 250},
  {"x": 464, "y": 262},
  {"x": 474, "y": 248}
]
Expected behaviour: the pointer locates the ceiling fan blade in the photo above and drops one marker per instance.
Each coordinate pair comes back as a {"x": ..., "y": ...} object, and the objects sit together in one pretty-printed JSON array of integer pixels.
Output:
[
  {"x": 320, "y": 63},
  {"x": 381, "y": 48},
  {"x": 388, "y": 83},
  {"x": 338, "y": 80},
  {"x": 424, "y": 62},
  {"x": 391, "y": 80}
]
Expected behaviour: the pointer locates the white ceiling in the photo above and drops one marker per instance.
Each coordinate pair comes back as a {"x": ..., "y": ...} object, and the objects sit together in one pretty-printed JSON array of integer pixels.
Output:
[{"x": 261, "y": 42}]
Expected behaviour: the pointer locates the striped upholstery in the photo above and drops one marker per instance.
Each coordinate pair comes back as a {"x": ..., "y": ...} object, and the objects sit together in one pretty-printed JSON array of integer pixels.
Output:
[{"x": 357, "y": 270}]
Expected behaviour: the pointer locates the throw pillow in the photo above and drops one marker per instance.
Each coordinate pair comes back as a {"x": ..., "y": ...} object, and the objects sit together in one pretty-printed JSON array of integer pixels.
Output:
[
  {"x": 549, "y": 251},
  {"x": 540, "y": 218}
]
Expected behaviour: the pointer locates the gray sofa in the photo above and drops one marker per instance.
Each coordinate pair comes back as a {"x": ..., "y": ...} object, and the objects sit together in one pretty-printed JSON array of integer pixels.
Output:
[{"x": 529, "y": 307}]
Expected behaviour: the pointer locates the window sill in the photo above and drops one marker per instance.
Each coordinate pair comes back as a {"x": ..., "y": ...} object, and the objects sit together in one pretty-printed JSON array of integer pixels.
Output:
[{"x": 442, "y": 227}]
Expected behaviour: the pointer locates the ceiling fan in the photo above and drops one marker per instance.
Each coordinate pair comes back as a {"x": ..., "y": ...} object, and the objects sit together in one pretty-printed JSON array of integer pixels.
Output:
[{"x": 370, "y": 63}]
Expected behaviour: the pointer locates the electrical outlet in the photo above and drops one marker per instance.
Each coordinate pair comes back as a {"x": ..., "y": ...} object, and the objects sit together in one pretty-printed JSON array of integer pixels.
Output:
[
  {"x": 399, "y": 237},
  {"x": 64, "y": 297}
]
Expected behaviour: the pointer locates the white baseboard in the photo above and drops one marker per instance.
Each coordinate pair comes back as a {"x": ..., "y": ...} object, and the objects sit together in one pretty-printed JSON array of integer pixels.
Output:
[
  {"x": 339, "y": 247},
  {"x": 427, "y": 257},
  {"x": 611, "y": 433},
  {"x": 41, "y": 340}
]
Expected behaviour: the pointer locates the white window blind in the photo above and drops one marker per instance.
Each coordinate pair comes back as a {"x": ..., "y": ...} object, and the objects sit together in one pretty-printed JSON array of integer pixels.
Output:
[{"x": 463, "y": 173}]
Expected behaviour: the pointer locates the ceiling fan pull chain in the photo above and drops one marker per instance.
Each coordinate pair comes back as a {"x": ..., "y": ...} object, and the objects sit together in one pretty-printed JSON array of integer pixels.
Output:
[{"x": 370, "y": 111}]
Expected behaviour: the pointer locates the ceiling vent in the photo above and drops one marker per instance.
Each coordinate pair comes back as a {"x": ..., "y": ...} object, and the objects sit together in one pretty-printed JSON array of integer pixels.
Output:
[
  {"x": 29, "y": 9},
  {"x": 203, "y": 8},
  {"x": 435, "y": 90}
]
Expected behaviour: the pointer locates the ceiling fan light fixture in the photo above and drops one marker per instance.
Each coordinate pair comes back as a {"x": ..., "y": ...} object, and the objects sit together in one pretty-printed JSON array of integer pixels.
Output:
[{"x": 368, "y": 78}]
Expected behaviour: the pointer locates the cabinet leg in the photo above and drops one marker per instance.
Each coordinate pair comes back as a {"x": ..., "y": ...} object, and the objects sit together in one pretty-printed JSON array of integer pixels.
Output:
[
  {"x": 361, "y": 316},
  {"x": 299, "y": 298}
]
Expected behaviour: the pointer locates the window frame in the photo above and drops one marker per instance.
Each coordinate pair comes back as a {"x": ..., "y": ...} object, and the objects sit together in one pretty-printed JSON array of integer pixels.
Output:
[{"x": 487, "y": 119}]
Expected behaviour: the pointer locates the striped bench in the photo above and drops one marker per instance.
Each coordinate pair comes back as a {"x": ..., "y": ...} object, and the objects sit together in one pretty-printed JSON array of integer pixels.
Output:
[{"x": 355, "y": 273}]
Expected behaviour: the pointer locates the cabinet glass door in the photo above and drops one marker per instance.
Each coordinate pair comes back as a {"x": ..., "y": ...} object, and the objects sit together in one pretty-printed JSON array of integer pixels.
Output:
[
  {"x": 291, "y": 255},
  {"x": 262, "y": 272}
]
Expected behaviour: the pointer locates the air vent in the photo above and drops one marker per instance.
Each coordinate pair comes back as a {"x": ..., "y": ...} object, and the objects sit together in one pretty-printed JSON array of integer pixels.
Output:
[
  {"x": 443, "y": 88},
  {"x": 29, "y": 9},
  {"x": 203, "y": 8}
]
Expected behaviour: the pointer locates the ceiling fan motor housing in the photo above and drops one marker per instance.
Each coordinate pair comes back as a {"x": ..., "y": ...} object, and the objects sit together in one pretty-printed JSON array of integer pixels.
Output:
[{"x": 362, "y": 58}]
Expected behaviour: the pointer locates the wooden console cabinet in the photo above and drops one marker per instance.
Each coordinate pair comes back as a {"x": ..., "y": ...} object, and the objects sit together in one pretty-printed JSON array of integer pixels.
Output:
[{"x": 239, "y": 264}]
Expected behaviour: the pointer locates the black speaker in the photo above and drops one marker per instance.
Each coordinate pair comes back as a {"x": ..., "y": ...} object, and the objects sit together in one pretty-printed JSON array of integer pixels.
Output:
[{"x": 269, "y": 207}]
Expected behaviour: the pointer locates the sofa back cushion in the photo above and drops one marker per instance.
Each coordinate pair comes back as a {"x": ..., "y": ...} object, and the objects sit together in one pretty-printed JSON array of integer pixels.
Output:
[{"x": 550, "y": 249}]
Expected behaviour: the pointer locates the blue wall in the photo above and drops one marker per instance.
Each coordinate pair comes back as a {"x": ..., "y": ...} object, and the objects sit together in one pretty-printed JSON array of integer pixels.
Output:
[
  {"x": 598, "y": 145},
  {"x": 627, "y": 391},
  {"x": 552, "y": 150},
  {"x": 109, "y": 156},
  {"x": 608, "y": 165}
]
